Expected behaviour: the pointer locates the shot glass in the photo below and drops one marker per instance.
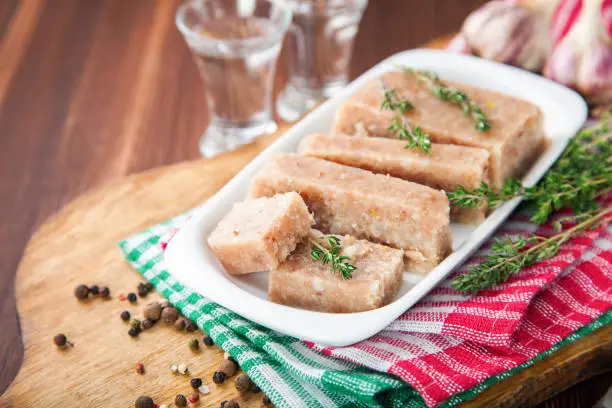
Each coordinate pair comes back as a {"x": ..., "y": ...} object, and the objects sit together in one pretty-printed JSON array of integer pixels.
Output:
[
  {"x": 319, "y": 46},
  {"x": 235, "y": 44}
]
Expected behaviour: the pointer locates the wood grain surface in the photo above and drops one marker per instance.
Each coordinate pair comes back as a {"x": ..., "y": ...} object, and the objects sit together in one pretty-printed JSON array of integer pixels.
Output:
[{"x": 93, "y": 90}]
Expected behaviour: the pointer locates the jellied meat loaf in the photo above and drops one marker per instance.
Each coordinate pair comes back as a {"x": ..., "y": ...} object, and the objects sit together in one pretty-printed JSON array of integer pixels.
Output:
[
  {"x": 303, "y": 282},
  {"x": 515, "y": 140},
  {"x": 376, "y": 207},
  {"x": 257, "y": 235},
  {"x": 444, "y": 167}
]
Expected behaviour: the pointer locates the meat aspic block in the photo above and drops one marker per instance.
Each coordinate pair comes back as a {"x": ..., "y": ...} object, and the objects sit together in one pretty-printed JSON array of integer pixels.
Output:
[
  {"x": 515, "y": 140},
  {"x": 444, "y": 167},
  {"x": 257, "y": 235},
  {"x": 376, "y": 207},
  {"x": 301, "y": 281}
]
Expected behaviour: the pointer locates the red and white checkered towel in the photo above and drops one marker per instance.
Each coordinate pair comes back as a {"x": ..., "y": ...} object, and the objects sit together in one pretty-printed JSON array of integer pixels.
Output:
[{"x": 449, "y": 342}]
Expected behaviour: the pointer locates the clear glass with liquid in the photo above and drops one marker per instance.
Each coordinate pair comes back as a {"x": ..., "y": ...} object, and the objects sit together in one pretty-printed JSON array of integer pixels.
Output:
[
  {"x": 319, "y": 45},
  {"x": 235, "y": 44}
]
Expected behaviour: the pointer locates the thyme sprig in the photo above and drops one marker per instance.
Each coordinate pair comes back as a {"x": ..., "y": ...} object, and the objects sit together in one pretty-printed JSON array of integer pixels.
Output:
[
  {"x": 582, "y": 174},
  {"x": 416, "y": 138},
  {"x": 331, "y": 255},
  {"x": 509, "y": 256},
  {"x": 451, "y": 94}
]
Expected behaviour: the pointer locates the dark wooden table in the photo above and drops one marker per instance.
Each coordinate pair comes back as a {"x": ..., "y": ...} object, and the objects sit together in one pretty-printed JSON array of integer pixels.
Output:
[{"x": 93, "y": 90}]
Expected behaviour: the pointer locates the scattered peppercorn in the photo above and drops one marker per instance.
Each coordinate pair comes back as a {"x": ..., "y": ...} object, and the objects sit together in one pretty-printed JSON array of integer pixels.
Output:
[
  {"x": 169, "y": 315},
  {"x": 182, "y": 368},
  {"x": 134, "y": 331},
  {"x": 135, "y": 323},
  {"x": 255, "y": 388},
  {"x": 204, "y": 389},
  {"x": 142, "y": 290},
  {"x": 230, "y": 404},
  {"x": 140, "y": 369},
  {"x": 242, "y": 383},
  {"x": 196, "y": 383},
  {"x": 61, "y": 340},
  {"x": 266, "y": 401},
  {"x": 194, "y": 345},
  {"x": 146, "y": 324},
  {"x": 180, "y": 323},
  {"x": 81, "y": 292},
  {"x": 132, "y": 297},
  {"x": 122, "y": 297},
  {"x": 193, "y": 397},
  {"x": 174, "y": 368},
  {"x": 228, "y": 368},
  {"x": 149, "y": 286},
  {"x": 223, "y": 403},
  {"x": 145, "y": 402},
  {"x": 219, "y": 377},
  {"x": 208, "y": 341},
  {"x": 125, "y": 316},
  {"x": 190, "y": 327},
  {"x": 105, "y": 292},
  {"x": 152, "y": 311},
  {"x": 180, "y": 400},
  {"x": 94, "y": 290}
]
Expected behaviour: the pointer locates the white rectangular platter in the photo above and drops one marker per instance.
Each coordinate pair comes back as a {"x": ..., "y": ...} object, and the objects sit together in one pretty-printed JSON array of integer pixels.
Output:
[{"x": 189, "y": 258}]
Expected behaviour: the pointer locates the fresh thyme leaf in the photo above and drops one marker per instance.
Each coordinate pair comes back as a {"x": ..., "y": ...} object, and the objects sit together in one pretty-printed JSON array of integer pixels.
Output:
[
  {"x": 451, "y": 94},
  {"x": 582, "y": 174},
  {"x": 416, "y": 138},
  {"x": 331, "y": 255}
]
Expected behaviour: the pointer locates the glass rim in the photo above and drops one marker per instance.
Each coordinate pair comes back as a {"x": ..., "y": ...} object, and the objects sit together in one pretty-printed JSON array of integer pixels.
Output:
[
  {"x": 357, "y": 5},
  {"x": 278, "y": 34}
]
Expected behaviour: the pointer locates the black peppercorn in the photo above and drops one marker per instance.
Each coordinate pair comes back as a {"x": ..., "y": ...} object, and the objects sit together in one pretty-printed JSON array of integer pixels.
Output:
[
  {"x": 95, "y": 290},
  {"x": 196, "y": 383},
  {"x": 144, "y": 402},
  {"x": 132, "y": 297},
  {"x": 255, "y": 388},
  {"x": 134, "y": 331},
  {"x": 218, "y": 377},
  {"x": 61, "y": 340},
  {"x": 190, "y": 327},
  {"x": 149, "y": 286},
  {"x": 81, "y": 292},
  {"x": 105, "y": 291},
  {"x": 223, "y": 403},
  {"x": 180, "y": 400},
  {"x": 125, "y": 316},
  {"x": 208, "y": 341},
  {"x": 266, "y": 401},
  {"x": 146, "y": 324},
  {"x": 142, "y": 290}
]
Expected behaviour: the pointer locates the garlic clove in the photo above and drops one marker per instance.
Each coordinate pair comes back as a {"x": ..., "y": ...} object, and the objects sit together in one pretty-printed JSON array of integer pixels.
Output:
[
  {"x": 582, "y": 58},
  {"x": 508, "y": 32}
]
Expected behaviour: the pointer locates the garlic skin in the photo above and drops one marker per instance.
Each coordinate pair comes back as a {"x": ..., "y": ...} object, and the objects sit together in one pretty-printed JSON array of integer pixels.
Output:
[
  {"x": 511, "y": 32},
  {"x": 582, "y": 57}
]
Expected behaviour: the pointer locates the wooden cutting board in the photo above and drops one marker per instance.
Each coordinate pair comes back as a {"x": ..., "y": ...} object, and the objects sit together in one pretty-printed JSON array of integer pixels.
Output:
[{"x": 79, "y": 245}]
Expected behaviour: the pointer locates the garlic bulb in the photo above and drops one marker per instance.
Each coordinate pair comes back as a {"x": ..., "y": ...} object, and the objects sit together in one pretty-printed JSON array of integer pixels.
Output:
[
  {"x": 582, "y": 56},
  {"x": 509, "y": 31}
]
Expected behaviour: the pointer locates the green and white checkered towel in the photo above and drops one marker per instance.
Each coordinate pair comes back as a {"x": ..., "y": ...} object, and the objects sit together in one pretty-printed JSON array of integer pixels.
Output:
[{"x": 290, "y": 373}]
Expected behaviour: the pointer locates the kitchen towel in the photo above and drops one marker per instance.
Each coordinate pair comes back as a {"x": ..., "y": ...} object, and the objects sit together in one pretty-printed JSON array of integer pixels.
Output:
[{"x": 446, "y": 349}]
